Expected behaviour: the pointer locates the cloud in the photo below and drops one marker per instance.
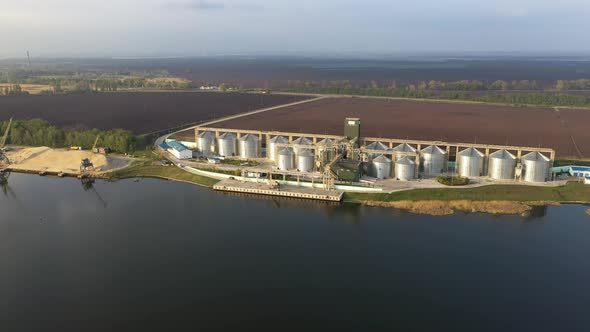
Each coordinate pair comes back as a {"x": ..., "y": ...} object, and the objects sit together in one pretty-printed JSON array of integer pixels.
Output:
[{"x": 197, "y": 5}]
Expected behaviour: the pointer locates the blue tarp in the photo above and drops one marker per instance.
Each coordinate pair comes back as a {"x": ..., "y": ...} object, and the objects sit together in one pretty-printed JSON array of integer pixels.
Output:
[
  {"x": 581, "y": 168},
  {"x": 164, "y": 146}
]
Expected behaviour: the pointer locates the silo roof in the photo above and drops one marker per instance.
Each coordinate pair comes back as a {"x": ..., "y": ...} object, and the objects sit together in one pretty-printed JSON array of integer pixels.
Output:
[
  {"x": 535, "y": 156},
  {"x": 502, "y": 154},
  {"x": 279, "y": 139},
  {"x": 303, "y": 140},
  {"x": 227, "y": 135},
  {"x": 405, "y": 147},
  {"x": 381, "y": 159},
  {"x": 405, "y": 160},
  {"x": 433, "y": 149},
  {"x": 471, "y": 152},
  {"x": 249, "y": 137},
  {"x": 377, "y": 146}
]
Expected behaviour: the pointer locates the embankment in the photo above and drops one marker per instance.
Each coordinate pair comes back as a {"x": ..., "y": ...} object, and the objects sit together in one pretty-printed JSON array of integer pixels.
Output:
[{"x": 442, "y": 208}]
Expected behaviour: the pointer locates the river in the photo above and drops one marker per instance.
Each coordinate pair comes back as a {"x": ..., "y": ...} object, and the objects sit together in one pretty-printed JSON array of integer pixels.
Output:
[{"x": 158, "y": 255}]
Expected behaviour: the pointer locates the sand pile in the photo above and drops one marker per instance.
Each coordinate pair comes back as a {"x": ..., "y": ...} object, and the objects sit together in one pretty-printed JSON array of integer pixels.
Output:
[
  {"x": 442, "y": 208},
  {"x": 61, "y": 160}
]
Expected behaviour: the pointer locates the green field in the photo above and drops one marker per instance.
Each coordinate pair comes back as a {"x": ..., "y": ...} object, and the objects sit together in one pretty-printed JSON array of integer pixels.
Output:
[
  {"x": 572, "y": 192},
  {"x": 148, "y": 169}
]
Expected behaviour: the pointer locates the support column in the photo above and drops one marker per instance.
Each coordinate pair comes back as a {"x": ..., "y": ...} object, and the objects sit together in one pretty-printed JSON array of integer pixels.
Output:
[
  {"x": 290, "y": 138},
  {"x": 315, "y": 140},
  {"x": 217, "y": 134},
  {"x": 196, "y": 134},
  {"x": 391, "y": 145},
  {"x": 486, "y": 162}
]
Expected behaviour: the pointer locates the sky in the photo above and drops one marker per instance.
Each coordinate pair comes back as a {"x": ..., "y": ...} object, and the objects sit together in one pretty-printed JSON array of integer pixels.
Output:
[{"x": 291, "y": 27}]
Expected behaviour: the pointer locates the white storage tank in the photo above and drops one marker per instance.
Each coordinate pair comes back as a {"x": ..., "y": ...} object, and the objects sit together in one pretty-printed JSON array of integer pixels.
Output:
[
  {"x": 301, "y": 141},
  {"x": 501, "y": 165},
  {"x": 405, "y": 169},
  {"x": 381, "y": 167},
  {"x": 249, "y": 146},
  {"x": 434, "y": 160},
  {"x": 226, "y": 145},
  {"x": 272, "y": 150},
  {"x": 405, "y": 147},
  {"x": 206, "y": 143},
  {"x": 470, "y": 163},
  {"x": 536, "y": 167},
  {"x": 305, "y": 161},
  {"x": 285, "y": 159},
  {"x": 376, "y": 146}
]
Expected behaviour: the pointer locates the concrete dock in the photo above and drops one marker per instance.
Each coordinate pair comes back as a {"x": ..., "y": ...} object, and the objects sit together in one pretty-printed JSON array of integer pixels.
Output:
[{"x": 284, "y": 191}]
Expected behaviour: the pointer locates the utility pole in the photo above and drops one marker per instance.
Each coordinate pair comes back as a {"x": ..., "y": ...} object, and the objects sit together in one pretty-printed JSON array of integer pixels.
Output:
[{"x": 29, "y": 58}]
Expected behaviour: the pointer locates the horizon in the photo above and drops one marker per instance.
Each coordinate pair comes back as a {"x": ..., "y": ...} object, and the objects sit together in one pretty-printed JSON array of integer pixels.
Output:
[{"x": 194, "y": 28}]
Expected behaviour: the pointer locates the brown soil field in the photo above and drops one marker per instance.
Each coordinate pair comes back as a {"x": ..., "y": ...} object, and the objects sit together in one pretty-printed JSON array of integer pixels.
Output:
[
  {"x": 30, "y": 88},
  {"x": 140, "y": 112},
  {"x": 452, "y": 122}
]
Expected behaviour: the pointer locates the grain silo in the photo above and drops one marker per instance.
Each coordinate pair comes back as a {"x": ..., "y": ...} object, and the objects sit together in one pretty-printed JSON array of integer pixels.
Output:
[
  {"x": 299, "y": 144},
  {"x": 381, "y": 167},
  {"x": 206, "y": 143},
  {"x": 249, "y": 146},
  {"x": 272, "y": 149},
  {"x": 501, "y": 165},
  {"x": 536, "y": 167},
  {"x": 405, "y": 147},
  {"x": 470, "y": 163},
  {"x": 305, "y": 161},
  {"x": 405, "y": 168},
  {"x": 226, "y": 145},
  {"x": 285, "y": 159},
  {"x": 376, "y": 146},
  {"x": 434, "y": 160}
]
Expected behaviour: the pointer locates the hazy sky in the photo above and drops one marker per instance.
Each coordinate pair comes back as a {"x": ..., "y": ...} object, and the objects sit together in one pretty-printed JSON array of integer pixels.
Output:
[{"x": 209, "y": 27}]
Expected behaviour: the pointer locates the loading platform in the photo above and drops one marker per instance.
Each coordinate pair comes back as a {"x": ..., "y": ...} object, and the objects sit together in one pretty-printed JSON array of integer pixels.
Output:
[{"x": 284, "y": 191}]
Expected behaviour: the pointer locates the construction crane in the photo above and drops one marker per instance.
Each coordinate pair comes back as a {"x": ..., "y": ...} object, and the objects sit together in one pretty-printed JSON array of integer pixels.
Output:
[
  {"x": 3, "y": 157},
  {"x": 94, "y": 145}
]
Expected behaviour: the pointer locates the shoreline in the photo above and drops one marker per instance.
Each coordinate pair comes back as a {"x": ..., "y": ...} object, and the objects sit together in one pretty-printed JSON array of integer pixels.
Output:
[{"x": 406, "y": 201}]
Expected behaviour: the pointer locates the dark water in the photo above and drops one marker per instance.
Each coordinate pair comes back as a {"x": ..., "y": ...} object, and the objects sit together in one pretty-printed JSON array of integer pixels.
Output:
[{"x": 156, "y": 255}]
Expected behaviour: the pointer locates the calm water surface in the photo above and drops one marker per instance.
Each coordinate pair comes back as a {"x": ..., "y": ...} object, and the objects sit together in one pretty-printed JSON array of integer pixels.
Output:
[{"x": 157, "y": 255}]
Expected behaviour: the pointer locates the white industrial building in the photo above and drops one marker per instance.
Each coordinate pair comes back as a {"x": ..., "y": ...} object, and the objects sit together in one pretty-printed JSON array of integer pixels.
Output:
[{"x": 177, "y": 150}]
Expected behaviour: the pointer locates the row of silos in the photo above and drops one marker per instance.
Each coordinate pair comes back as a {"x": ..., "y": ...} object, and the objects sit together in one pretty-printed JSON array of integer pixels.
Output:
[
  {"x": 502, "y": 165},
  {"x": 288, "y": 160},
  {"x": 227, "y": 145},
  {"x": 404, "y": 168}
]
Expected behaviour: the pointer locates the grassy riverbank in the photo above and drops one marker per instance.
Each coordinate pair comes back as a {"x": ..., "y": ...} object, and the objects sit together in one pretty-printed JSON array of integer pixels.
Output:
[
  {"x": 572, "y": 192},
  {"x": 148, "y": 169}
]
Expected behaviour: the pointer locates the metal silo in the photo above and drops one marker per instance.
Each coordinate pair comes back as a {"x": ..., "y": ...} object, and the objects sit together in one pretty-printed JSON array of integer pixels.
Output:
[
  {"x": 405, "y": 169},
  {"x": 433, "y": 160},
  {"x": 272, "y": 149},
  {"x": 381, "y": 167},
  {"x": 536, "y": 167},
  {"x": 226, "y": 145},
  {"x": 405, "y": 147},
  {"x": 206, "y": 143},
  {"x": 470, "y": 163},
  {"x": 326, "y": 149},
  {"x": 249, "y": 146},
  {"x": 501, "y": 165},
  {"x": 301, "y": 141},
  {"x": 285, "y": 159},
  {"x": 305, "y": 161}
]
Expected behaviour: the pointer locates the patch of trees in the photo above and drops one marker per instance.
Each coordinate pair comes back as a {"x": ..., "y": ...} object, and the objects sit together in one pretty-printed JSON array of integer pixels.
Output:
[
  {"x": 583, "y": 84},
  {"x": 83, "y": 82},
  {"x": 38, "y": 132}
]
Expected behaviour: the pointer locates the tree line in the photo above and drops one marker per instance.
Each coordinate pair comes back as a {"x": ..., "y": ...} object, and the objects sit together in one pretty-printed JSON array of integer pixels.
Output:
[
  {"x": 38, "y": 132},
  {"x": 411, "y": 91}
]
